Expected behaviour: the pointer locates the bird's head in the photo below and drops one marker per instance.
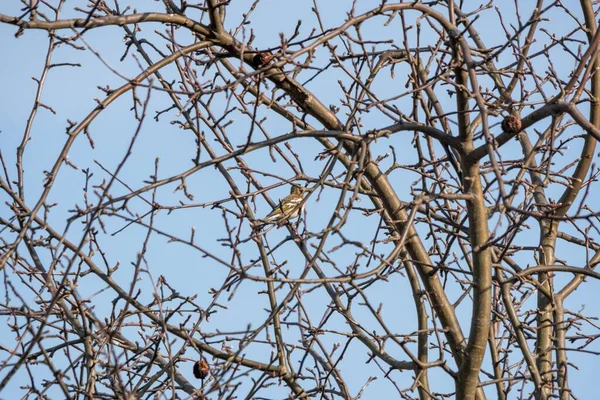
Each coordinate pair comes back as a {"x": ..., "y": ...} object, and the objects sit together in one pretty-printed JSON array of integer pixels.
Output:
[{"x": 297, "y": 190}]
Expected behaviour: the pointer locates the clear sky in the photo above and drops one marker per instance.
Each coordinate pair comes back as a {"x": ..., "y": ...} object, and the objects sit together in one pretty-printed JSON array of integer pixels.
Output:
[{"x": 71, "y": 93}]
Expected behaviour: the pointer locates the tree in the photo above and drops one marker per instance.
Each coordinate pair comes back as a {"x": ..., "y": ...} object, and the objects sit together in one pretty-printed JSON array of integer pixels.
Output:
[{"x": 444, "y": 155}]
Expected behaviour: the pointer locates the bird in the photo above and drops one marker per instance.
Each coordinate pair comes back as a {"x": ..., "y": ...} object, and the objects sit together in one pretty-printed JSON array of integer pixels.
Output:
[{"x": 288, "y": 208}]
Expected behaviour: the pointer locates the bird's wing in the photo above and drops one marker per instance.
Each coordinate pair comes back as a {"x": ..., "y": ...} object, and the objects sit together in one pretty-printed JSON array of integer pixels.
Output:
[{"x": 284, "y": 207}]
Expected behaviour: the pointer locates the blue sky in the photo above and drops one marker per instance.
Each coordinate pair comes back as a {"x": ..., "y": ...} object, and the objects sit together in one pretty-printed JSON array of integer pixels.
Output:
[{"x": 71, "y": 92}]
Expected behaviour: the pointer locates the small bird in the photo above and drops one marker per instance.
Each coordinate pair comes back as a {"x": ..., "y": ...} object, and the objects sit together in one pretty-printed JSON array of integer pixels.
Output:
[{"x": 288, "y": 208}]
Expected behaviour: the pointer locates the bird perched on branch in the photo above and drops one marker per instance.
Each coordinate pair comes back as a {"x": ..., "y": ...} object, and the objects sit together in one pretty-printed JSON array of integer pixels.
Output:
[{"x": 287, "y": 208}]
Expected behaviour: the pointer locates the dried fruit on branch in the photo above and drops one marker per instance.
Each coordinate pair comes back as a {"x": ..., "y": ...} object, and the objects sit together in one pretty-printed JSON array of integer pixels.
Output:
[
  {"x": 262, "y": 59},
  {"x": 511, "y": 124},
  {"x": 201, "y": 369}
]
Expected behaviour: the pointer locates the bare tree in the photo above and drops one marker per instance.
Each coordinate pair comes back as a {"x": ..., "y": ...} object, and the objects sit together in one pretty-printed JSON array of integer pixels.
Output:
[{"x": 439, "y": 240}]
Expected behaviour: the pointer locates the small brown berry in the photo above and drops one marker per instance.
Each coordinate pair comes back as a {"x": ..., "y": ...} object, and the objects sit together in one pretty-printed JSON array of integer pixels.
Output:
[
  {"x": 201, "y": 369},
  {"x": 511, "y": 124},
  {"x": 262, "y": 59}
]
